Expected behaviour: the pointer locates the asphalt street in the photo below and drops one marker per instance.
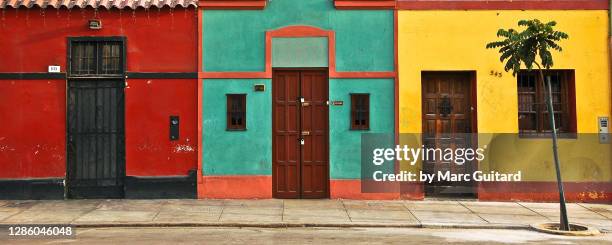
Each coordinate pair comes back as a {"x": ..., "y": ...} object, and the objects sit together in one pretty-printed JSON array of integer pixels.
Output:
[{"x": 220, "y": 235}]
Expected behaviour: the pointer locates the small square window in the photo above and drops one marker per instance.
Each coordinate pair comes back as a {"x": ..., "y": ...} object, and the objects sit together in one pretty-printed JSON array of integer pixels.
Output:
[
  {"x": 236, "y": 112},
  {"x": 360, "y": 111}
]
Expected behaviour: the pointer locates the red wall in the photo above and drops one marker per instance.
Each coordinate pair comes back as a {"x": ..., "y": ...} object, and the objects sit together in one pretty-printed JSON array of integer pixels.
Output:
[
  {"x": 32, "y": 132},
  {"x": 32, "y": 128},
  {"x": 148, "y": 107},
  {"x": 157, "y": 40}
]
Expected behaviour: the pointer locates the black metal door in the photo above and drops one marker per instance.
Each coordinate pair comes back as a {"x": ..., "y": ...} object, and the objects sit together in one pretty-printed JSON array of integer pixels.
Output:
[{"x": 96, "y": 137}]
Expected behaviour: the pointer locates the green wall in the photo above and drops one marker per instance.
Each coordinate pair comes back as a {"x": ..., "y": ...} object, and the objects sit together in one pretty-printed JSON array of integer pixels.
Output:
[
  {"x": 236, "y": 152},
  {"x": 250, "y": 152},
  {"x": 345, "y": 144},
  {"x": 235, "y": 40}
]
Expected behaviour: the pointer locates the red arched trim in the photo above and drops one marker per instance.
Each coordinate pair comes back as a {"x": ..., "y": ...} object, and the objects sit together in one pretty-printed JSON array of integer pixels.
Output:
[{"x": 301, "y": 31}]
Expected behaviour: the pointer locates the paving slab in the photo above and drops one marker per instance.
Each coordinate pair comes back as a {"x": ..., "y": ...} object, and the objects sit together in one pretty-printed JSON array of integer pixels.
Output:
[
  {"x": 6, "y": 214},
  {"x": 446, "y": 206},
  {"x": 253, "y": 210},
  {"x": 374, "y": 205},
  {"x": 181, "y": 217},
  {"x": 599, "y": 223},
  {"x": 551, "y": 205},
  {"x": 498, "y": 208},
  {"x": 272, "y": 203},
  {"x": 513, "y": 218},
  {"x": 102, "y": 216},
  {"x": 602, "y": 209},
  {"x": 314, "y": 204},
  {"x": 382, "y": 216},
  {"x": 201, "y": 202},
  {"x": 249, "y": 218},
  {"x": 18, "y": 205},
  {"x": 12, "y": 209},
  {"x": 447, "y": 217},
  {"x": 315, "y": 212},
  {"x": 130, "y": 205},
  {"x": 66, "y": 205},
  {"x": 316, "y": 219},
  {"x": 583, "y": 214},
  {"x": 190, "y": 207},
  {"x": 38, "y": 216}
]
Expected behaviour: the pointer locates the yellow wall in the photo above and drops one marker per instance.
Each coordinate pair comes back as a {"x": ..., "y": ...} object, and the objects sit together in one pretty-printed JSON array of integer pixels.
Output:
[{"x": 455, "y": 41}]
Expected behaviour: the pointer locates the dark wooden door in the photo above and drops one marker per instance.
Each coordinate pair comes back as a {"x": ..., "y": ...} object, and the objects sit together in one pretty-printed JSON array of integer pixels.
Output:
[
  {"x": 300, "y": 134},
  {"x": 447, "y": 124},
  {"x": 96, "y": 139},
  {"x": 314, "y": 124},
  {"x": 286, "y": 132}
]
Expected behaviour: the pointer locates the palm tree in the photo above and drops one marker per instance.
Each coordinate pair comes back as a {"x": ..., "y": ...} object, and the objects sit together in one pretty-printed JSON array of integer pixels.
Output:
[{"x": 519, "y": 49}]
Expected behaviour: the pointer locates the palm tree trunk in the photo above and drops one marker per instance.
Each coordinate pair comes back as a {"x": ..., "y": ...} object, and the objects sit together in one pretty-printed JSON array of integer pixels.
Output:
[{"x": 564, "y": 224}]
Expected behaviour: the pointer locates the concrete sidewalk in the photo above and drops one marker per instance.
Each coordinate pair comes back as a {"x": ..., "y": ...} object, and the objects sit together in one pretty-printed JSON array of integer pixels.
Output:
[{"x": 289, "y": 213}]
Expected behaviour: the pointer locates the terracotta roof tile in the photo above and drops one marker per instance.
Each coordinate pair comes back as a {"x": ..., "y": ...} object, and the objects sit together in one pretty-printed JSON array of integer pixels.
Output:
[{"x": 108, "y": 4}]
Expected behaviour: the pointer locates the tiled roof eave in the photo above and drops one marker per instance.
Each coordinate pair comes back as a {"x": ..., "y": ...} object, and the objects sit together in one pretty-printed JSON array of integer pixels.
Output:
[{"x": 98, "y": 4}]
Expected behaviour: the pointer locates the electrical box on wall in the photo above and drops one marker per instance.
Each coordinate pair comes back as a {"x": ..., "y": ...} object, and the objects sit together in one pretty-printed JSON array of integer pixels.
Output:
[
  {"x": 174, "y": 127},
  {"x": 603, "y": 123}
]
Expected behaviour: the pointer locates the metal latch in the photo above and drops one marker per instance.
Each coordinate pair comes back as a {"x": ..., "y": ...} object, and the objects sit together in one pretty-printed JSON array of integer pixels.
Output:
[
  {"x": 303, "y": 102},
  {"x": 304, "y": 133}
]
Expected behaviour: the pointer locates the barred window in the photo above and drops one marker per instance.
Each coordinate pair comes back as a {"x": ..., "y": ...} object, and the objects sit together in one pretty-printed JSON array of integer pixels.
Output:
[
  {"x": 532, "y": 109},
  {"x": 236, "y": 111},
  {"x": 360, "y": 111},
  {"x": 96, "y": 57}
]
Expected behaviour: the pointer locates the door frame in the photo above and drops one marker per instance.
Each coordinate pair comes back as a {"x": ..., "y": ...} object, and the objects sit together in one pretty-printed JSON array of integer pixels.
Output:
[
  {"x": 325, "y": 70},
  {"x": 473, "y": 83},
  {"x": 121, "y": 78}
]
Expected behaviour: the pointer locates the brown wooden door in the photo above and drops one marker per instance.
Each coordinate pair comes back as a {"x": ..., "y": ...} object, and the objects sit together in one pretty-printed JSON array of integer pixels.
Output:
[
  {"x": 300, "y": 113},
  {"x": 447, "y": 123}
]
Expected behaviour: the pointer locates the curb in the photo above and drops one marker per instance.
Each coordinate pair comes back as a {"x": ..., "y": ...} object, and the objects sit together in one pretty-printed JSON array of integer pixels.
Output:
[
  {"x": 476, "y": 226},
  {"x": 291, "y": 225},
  {"x": 288, "y": 225}
]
